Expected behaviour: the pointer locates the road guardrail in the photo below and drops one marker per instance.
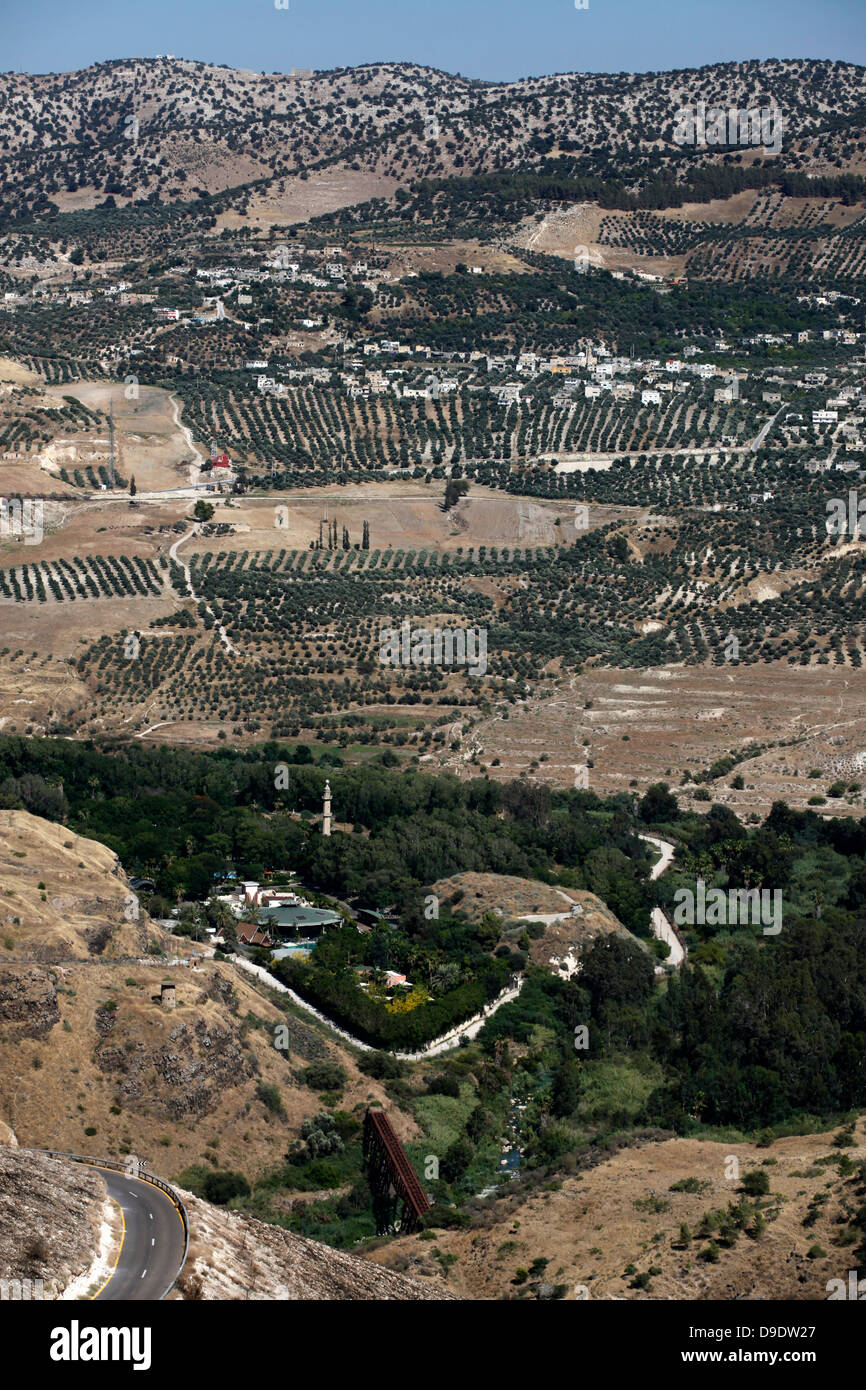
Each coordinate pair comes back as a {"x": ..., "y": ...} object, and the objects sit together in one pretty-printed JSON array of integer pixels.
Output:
[{"x": 142, "y": 1174}]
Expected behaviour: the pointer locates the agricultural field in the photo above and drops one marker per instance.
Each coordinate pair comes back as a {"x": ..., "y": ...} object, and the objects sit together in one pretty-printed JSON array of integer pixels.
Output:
[{"x": 432, "y": 573}]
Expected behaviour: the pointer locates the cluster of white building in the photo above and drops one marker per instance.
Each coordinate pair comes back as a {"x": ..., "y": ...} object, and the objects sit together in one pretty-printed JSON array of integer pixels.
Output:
[{"x": 249, "y": 893}]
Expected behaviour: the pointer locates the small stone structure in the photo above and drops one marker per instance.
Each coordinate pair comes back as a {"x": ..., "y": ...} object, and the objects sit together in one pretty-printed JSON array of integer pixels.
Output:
[{"x": 167, "y": 996}]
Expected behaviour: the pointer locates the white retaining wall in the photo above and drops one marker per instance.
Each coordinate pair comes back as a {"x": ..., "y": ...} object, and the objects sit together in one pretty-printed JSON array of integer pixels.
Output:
[{"x": 470, "y": 1029}]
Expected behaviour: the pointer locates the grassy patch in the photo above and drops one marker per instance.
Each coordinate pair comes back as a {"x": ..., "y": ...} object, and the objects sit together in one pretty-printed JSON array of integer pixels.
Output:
[
  {"x": 616, "y": 1088},
  {"x": 443, "y": 1119}
]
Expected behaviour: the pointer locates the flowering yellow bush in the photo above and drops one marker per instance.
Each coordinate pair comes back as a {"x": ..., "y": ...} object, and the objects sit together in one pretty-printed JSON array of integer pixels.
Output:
[{"x": 404, "y": 1003}]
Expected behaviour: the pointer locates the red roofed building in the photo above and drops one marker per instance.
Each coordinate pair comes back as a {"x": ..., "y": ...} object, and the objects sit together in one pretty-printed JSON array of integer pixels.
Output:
[{"x": 254, "y": 936}]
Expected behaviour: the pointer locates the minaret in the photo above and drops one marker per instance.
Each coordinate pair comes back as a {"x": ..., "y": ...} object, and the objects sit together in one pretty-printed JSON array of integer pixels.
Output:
[{"x": 326, "y": 810}]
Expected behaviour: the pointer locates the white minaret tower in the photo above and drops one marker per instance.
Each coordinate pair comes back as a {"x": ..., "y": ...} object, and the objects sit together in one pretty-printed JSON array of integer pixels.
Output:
[{"x": 326, "y": 810}]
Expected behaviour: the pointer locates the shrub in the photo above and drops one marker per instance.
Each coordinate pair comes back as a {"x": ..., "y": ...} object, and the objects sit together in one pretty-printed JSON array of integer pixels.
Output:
[
  {"x": 270, "y": 1098},
  {"x": 380, "y": 1065},
  {"x": 36, "y": 1250},
  {"x": 444, "y": 1086},
  {"x": 222, "y": 1186},
  {"x": 446, "y": 1218},
  {"x": 319, "y": 1137},
  {"x": 756, "y": 1183},
  {"x": 456, "y": 1160},
  {"x": 690, "y": 1185},
  {"x": 324, "y": 1076}
]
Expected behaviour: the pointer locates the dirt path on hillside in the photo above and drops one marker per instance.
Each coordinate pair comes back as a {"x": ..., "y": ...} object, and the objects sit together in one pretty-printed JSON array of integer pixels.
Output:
[{"x": 223, "y": 635}]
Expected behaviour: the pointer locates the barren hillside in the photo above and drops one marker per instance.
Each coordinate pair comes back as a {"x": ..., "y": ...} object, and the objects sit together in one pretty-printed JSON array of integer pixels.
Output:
[
  {"x": 63, "y": 896},
  {"x": 87, "y": 1045},
  {"x": 235, "y": 1257},
  {"x": 51, "y": 1214},
  {"x": 596, "y": 1232}
]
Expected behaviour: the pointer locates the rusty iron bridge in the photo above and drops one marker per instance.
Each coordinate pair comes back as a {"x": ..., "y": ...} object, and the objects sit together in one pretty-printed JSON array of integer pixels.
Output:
[{"x": 399, "y": 1201}]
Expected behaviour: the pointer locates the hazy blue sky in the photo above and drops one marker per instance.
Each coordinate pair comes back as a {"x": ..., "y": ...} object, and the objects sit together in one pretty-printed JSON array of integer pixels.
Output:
[{"x": 480, "y": 38}]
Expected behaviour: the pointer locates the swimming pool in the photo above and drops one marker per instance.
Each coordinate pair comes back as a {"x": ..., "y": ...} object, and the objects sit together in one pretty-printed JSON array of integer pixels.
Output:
[{"x": 294, "y": 948}]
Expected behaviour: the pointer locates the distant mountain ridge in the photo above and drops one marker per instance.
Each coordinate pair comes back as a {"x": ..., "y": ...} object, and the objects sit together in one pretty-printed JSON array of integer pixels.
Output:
[{"x": 176, "y": 129}]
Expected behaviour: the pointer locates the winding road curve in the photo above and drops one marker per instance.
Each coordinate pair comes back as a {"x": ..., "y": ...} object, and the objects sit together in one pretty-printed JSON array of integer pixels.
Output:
[
  {"x": 153, "y": 1242},
  {"x": 661, "y": 927},
  {"x": 153, "y": 1245}
]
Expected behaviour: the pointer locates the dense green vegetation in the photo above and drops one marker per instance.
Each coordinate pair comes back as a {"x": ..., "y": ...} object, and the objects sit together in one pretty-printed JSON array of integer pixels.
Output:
[
  {"x": 187, "y": 818},
  {"x": 756, "y": 1033},
  {"x": 506, "y": 195}
]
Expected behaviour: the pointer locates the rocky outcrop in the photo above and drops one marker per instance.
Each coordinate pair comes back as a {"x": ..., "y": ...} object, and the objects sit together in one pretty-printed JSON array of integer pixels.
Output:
[
  {"x": 222, "y": 991},
  {"x": 28, "y": 1001},
  {"x": 236, "y": 1257},
  {"x": 99, "y": 937},
  {"x": 302, "y": 1041},
  {"x": 50, "y": 1214},
  {"x": 105, "y": 1020},
  {"x": 186, "y": 1076},
  {"x": 201, "y": 1060}
]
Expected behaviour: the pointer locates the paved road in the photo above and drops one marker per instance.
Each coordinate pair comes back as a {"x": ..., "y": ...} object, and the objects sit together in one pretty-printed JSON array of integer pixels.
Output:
[
  {"x": 667, "y": 852},
  {"x": 153, "y": 1240},
  {"x": 661, "y": 927},
  {"x": 765, "y": 429}
]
